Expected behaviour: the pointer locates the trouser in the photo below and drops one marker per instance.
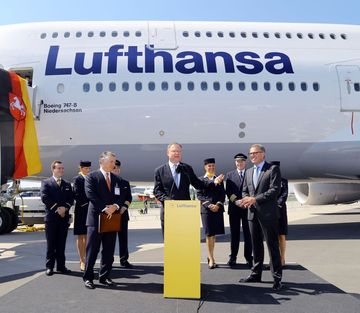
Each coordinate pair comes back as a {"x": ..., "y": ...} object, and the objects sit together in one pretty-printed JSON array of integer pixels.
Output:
[
  {"x": 123, "y": 241},
  {"x": 94, "y": 241},
  {"x": 267, "y": 230},
  {"x": 235, "y": 221},
  {"x": 56, "y": 234}
]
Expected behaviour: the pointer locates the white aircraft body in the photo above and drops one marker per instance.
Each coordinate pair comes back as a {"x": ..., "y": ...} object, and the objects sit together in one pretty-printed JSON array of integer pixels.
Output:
[{"x": 215, "y": 87}]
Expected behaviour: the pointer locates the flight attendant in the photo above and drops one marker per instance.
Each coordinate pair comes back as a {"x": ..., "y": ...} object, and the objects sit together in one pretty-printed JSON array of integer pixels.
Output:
[
  {"x": 212, "y": 209},
  {"x": 81, "y": 209}
]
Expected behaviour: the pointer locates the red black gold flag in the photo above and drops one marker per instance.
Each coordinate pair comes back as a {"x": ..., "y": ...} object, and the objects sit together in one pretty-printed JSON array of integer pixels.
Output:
[{"x": 19, "y": 146}]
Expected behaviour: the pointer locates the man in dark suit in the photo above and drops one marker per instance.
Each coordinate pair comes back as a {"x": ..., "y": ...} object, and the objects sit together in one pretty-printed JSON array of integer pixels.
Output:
[
  {"x": 123, "y": 233},
  {"x": 106, "y": 194},
  {"x": 57, "y": 195},
  {"x": 260, "y": 190},
  {"x": 173, "y": 179},
  {"x": 237, "y": 214}
]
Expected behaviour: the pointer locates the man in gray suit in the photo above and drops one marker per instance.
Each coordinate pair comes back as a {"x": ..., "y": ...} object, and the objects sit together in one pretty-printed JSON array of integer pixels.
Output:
[{"x": 260, "y": 190}]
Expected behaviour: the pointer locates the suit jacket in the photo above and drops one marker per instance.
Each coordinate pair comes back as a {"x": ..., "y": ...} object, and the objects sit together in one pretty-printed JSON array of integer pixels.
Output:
[
  {"x": 265, "y": 192},
  {"x": 165, "y": 187},
  {"x": 54, "y": 196},
  {"x": 100, "y": 196},
  {"x": 125, "y": 185},
  {"x": 208, "y": 196},
  {"x": 283, "y": 195},
  {"x": 79, "y": 191},
  {"x": 234, "y": 185}
]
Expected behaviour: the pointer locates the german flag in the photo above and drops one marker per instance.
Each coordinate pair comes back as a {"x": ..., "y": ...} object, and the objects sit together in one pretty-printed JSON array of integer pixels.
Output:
[{"x": 19, "y": 146}]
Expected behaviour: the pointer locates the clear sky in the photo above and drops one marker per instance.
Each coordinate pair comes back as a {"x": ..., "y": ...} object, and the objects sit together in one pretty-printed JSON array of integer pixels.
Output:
[{"x": 313, "y": 11}]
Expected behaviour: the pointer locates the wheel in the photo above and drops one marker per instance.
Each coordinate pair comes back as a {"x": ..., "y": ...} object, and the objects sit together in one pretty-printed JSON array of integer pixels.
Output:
[
  {"x": 13, "y": 219},
  {"x": 5, "y": 221}
]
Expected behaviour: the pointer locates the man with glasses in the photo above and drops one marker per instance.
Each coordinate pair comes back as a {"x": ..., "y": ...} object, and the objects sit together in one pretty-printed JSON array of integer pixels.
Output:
[{"x": 260, "y": 190}]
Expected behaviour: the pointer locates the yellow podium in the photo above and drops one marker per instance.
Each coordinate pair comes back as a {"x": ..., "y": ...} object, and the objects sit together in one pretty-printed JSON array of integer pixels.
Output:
[{"x": 182, "y": 249}]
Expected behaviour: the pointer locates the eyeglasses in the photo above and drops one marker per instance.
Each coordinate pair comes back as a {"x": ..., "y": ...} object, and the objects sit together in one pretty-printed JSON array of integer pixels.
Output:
[{"x": 255, "y": 153}]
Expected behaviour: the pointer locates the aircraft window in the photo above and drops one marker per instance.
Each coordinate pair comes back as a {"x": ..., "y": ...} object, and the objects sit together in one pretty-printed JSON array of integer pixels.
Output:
[
  {"x": 208, "y": 34},
  {"x": 91, "y": 34},
  {"x": 102, "y": 34},
  {"x": 78, "y": 34},
  {"x": 86, "y": 87},
  {"x": 114, "y": 33},
  {"x": 66, "y": 34},
  {"x": 99, "y": 87},
  {"x": 220, "y": 34},
  {"x": 191, "y": 86},
  {"x": 303, "y": 86},
  {"x": 216, "y": 86},
  {"x": 43, "y": 36},
  {"x": 186, "y": 34},
  {"x": 60, "y": 88},
  {"x": 125, "y": 86},
  {"x": 197, "y": 34},
  {"x": 279, "y": 86},
  {"x": 288, "y": 35},
  {"x": 332, "y": 36},
  {"x": 357, "y": 86},
  {"x": 164, "y": 86},
  {"x": 343, "y": 36},
  {"x": 311, "y": 36},
  {"x": 55, "y": 35},
  {"x": 177, "y": 86},
  {"x": 203, "y": 86},
  {"x": 277, "y": 35},
  {"x": 267, "y": 86},
  {"x": 266, "y": 35},
  {"x": 126, "y": 33},
  {"x": 242, "y": 86},
  {"x": 232, "y": 34},
  {"x": 316, "y": 86},
  {"x": 322, "y": 36},
  {"x": 138, "y": 86},
  {"x": 112, "y": 86},
  {"x": 229, "y": 86},
  {"x": 254, "y": 86},
  {"x": 255, "y": 35},
  {"x": 291, "y": 86},
  {"x": 300, "y": 36},
  {"x": 151, "y": 86},
  {"x": 243, "y": 34},
  {"x": 138, "y": 33}
]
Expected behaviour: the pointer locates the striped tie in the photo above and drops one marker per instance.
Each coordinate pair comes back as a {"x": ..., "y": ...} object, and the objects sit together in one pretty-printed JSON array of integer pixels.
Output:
[
  {"x": 108, "y": 183},
  {"x": 58, "y": 181}
]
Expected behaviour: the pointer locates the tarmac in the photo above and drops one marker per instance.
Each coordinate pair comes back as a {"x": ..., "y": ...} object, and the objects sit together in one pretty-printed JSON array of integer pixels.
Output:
[{"x": 322, "y": 272}]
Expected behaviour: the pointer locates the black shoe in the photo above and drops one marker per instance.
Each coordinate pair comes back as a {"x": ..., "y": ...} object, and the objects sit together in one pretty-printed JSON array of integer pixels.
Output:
[
  {"x": 251, "y": 279},
  {"x": 49, "y": 272},
  {"x": 126, "y": 264},
  {"x": 277, "y": 285},
  {"x": 64, "y": 271},
  {"x": 231, "y": 262},
  {"x": 211, "y": 267},
  {"x": 106, "y": 282},
  {"x": 89, "y": 284}
]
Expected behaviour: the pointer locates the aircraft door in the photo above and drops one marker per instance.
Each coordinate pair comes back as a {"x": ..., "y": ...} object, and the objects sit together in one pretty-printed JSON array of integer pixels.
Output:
[
  {"x": 162, "y": 35},
  {"x": 349, "y": 81}
]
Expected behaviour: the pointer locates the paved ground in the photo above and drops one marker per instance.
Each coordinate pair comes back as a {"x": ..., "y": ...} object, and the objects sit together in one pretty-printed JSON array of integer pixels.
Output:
[{"x": 323, "y": 273}]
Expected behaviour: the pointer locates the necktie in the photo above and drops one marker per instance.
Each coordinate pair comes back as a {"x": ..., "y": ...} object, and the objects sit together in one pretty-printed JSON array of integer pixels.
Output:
[
  {"x": 108, "y": 181},
  {"x": 58, "y": 181},
  {"x": 256, "y": 175},
  {"x": 176, "y": 177}
]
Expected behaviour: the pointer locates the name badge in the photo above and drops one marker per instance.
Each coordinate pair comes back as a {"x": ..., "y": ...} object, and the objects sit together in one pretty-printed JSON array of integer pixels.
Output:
[{"x": 117, "y": 191}]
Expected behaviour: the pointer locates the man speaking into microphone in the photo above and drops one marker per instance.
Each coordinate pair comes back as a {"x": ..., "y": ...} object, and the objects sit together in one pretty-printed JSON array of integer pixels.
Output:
[{"x": 173, "y": 179}]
